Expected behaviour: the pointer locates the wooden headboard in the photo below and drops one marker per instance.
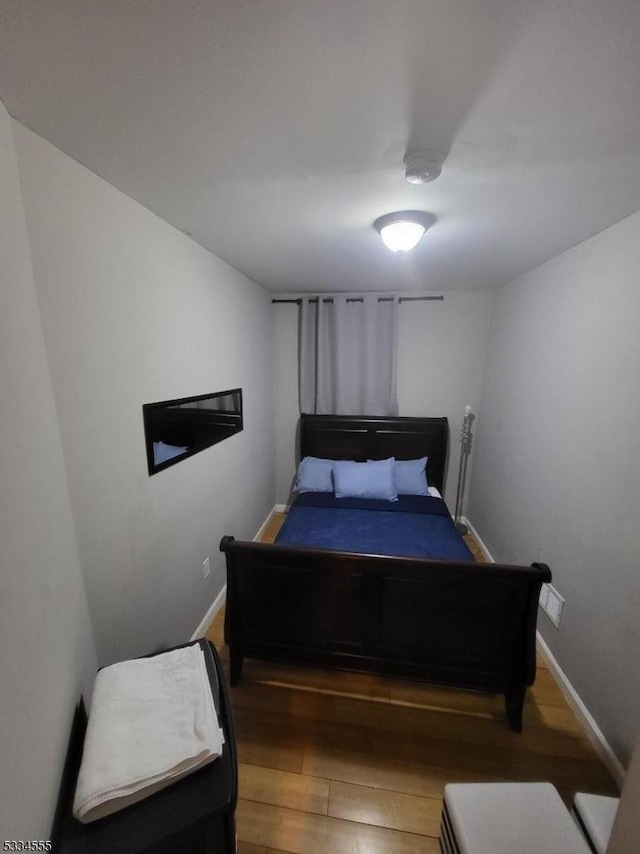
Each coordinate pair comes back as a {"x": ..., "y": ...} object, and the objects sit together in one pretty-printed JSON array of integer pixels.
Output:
[{"x": 360, "y": 438}]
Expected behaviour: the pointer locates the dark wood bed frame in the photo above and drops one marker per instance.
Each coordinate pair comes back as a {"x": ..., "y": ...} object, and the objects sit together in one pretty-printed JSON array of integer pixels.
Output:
[{"x": 463, "y": 624}]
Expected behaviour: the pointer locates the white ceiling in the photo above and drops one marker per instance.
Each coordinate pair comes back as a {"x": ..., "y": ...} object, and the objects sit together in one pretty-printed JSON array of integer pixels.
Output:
[{"x": 274, "y": 131}]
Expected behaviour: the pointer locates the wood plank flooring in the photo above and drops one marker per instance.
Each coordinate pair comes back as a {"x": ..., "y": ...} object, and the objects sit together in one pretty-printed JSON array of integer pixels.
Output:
[{"x": 350, "y": 763}]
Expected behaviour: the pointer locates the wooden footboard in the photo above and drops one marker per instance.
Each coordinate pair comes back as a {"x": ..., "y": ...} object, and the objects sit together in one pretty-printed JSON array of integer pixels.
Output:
[{"x": 468, "y": 625}]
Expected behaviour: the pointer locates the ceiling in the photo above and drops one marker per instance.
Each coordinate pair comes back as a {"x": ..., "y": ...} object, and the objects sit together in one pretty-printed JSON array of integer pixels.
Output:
[{"x": 273, "y": 131}]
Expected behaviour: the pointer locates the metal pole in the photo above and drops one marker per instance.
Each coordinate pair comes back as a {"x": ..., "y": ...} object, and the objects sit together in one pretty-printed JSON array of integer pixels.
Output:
[{"x": 465, "y": 450}]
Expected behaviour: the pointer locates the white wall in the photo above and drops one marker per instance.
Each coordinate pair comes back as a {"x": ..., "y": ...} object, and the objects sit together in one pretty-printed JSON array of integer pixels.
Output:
[
  {"x": 557, "y": 461},
  {"x": 133, "y": 312},
  {"x": 47, "y": 655},
  {"x": 441, "y": 353},
  {"x": 285, "y": 328}
]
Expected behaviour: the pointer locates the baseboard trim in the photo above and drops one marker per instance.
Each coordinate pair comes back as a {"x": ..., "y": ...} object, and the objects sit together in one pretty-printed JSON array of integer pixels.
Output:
[
  {"x": 262, "y": 527},
  {"x": 570, "y": 694},
  {"x": 277, "y": 508},
  {"x": 222, "y": 595},
  {"x": 477, "y": 538},
  {"x": 209, "y": 617},
  {"x": 583, "y": 714}
]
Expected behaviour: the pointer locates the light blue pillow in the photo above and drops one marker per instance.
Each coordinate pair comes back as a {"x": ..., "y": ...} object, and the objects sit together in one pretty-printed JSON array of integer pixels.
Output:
[
  {"x": 411, "y": 477},
  {"x": 374, "y": 479},
  {"x": 163, "y": 452},
  {"x": 314, "y": 475}
]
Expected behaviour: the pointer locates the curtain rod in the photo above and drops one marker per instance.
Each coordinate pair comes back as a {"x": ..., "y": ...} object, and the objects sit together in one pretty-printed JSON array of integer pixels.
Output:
[{"x": 360, "y": 299}]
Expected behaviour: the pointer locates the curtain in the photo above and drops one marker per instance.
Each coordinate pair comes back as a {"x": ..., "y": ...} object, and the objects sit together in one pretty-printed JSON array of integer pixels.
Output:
[{"x": 347, "y": 355}]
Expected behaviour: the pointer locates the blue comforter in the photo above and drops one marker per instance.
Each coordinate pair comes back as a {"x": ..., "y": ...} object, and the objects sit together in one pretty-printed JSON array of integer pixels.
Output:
[{"x": 413, "y": 526}]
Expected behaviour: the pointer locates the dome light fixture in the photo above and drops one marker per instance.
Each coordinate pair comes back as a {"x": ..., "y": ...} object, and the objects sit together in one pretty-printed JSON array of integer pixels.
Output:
[{"x": 403, "y": 230}]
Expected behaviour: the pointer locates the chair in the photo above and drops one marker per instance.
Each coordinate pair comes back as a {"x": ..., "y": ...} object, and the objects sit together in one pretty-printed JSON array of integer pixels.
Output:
[
  {"x": 594, "y": 815},
  {"x": 531, "y": 818}
]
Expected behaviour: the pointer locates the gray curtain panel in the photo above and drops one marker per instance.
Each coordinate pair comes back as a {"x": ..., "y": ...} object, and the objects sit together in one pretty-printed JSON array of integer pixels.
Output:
[{"x": 347, "y": 355}]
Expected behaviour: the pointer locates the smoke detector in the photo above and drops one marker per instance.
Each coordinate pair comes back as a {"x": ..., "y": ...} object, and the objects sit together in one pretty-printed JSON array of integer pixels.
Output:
[{"x": 423, "y": 166}]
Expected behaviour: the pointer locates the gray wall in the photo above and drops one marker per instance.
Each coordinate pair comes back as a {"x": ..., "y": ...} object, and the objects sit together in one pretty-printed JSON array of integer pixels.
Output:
[
  {"x": 557, "y": 463},
  {"x": 441, "y": 353},
  {"x": 133, "y": 311},
  {"x": 47, "y": 656}
]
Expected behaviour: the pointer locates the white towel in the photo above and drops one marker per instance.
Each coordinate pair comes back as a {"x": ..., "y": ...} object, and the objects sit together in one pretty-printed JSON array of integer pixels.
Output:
[{"x": 152, "y": 722}]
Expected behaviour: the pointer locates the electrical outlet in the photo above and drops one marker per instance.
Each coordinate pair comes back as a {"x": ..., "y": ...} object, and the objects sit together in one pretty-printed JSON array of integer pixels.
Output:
[
  {"x": 206, "y": 567},
  {"x": 553, "y": 605},
  {"x": 544, "y": 597}
]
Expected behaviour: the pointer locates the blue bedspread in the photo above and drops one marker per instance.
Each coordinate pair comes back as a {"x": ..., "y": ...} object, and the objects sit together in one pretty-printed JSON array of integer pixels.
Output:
[{"x": 413, "y": 526}]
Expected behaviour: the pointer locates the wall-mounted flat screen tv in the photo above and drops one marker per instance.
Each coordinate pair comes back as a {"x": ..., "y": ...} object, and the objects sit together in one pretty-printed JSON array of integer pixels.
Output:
[{"x": 177, "y": 429}]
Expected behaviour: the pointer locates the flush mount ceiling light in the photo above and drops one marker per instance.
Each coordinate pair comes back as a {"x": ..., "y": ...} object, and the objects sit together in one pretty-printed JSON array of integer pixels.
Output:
[
  {"x": 403, "y": 230},
  {"x": 423, "y": 166}
]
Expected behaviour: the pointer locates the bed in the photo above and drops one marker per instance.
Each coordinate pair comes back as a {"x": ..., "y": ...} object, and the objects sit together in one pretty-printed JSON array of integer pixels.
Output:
[{"x": 441, "y": 619}]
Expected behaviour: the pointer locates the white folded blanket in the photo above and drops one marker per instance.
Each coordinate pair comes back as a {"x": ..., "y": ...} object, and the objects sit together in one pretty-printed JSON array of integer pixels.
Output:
[{"x": 152, "y": 722}]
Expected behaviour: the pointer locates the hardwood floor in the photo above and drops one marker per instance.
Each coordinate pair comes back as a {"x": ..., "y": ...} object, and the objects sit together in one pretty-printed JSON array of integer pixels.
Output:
[{"x": 347, "y": 762}]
